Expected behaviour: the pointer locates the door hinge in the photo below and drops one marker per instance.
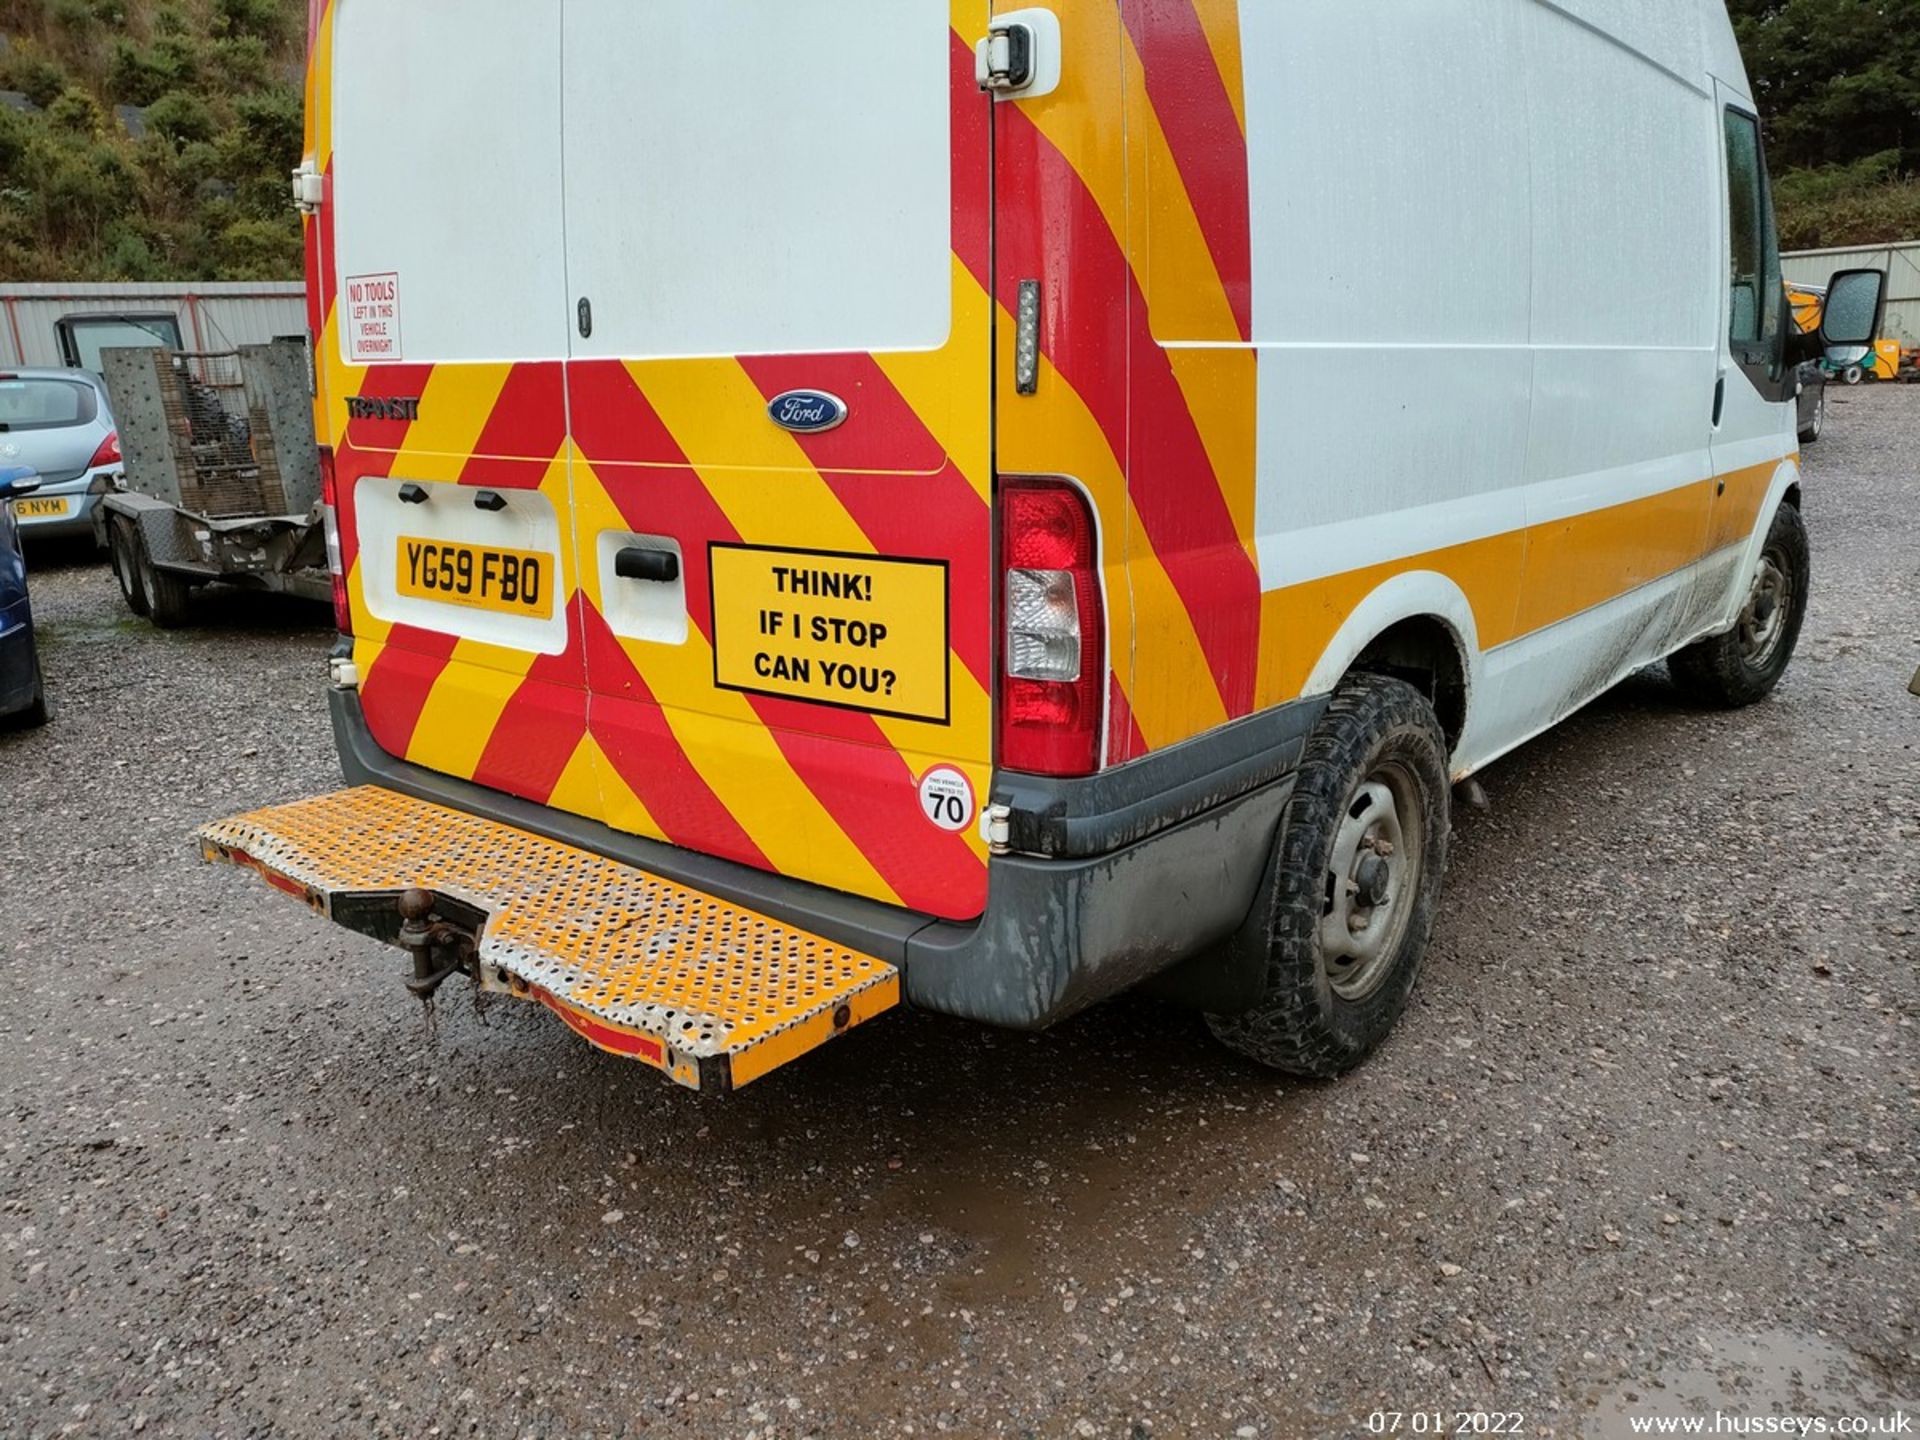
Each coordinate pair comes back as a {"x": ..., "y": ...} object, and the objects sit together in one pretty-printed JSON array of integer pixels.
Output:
[
  {"x": 1004, "y": 60},
  {"x": 1020, "y": 58},
  {"x": 996, "y": 827},
  {"x": 309, "y": 188}
]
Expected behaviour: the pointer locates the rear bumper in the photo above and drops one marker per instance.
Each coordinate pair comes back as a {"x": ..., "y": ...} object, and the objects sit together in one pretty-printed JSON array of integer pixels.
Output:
[{"x": 1140, "y": 868}]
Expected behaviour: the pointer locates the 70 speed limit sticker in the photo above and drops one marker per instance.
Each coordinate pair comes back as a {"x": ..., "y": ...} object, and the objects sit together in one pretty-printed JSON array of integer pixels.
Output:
[{"x": 946, "y": 798}]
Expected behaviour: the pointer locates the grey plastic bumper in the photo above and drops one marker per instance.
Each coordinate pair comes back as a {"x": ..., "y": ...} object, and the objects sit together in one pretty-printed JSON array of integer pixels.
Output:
[{"x": 1148, "y": 864}]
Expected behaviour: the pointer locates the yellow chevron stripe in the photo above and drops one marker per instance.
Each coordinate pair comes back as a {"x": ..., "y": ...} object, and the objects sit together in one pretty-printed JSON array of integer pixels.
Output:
[
  {"x": 586, "y": 783},
  {"x": 1220, "y": 19},
  {"x": 458, "y": 718},
  {"x": 455, "y": 406},
  {"x": 319, "y": 131}
]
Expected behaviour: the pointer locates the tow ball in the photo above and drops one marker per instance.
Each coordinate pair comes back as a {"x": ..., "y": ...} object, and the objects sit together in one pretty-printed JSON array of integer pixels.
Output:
[{"x": 440, "y": 949}]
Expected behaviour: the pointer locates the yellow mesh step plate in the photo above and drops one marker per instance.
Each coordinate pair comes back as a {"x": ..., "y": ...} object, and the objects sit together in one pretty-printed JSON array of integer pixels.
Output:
[{"x": 713, "y": 994}]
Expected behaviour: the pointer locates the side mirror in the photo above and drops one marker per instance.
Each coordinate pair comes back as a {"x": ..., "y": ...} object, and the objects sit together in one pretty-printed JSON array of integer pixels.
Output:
[
  {"x": 16, "y": 482},
  {"x": 1850, "y": 323}
]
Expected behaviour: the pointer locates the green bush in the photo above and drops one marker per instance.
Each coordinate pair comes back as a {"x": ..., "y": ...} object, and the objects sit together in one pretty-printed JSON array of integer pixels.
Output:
[
  {"x": 140, "y": 75},
  {"x": 181, "y": 117},
  {"x": 74, "y": 16},
  {"x": 40, "y": 79},
  {"x": 76, "y": 112},
  {"x": 260, "y": 249},
  {"x": 267, "y": 19}
]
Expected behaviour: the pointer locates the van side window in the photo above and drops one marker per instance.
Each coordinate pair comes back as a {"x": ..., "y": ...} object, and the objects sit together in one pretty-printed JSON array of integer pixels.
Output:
[{"x": 1755, "y": 324}]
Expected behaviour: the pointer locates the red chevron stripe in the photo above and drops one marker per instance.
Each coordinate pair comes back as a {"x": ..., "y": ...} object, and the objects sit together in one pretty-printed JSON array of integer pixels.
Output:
[
  {"x": 395, "y": 688},
  {"x": 387, "y": 382},
  {"x": 1124, "y": 739},
  {"x": 971, "y": 138},
  {"x": 541, "y": 725},
  {"x": 1051, "y": 226},
  {"x": 1187, "y": 93},
  {"x": 528, "y": 422}
]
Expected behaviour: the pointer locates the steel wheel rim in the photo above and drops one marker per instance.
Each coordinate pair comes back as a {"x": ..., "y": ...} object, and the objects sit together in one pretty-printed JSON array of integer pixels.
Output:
[
  {"x": 1763, "y": 623},
  {"x": 1373, "y": 880}
]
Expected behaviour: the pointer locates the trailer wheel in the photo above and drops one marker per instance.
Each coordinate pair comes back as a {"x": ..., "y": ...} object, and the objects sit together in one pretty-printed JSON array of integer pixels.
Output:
[
  {"x": 169, "y": 598},
  {"x": 1743, "y": 666},
  {"x": 122, "y": 540},
  {"x": 1354, "y": 883}
]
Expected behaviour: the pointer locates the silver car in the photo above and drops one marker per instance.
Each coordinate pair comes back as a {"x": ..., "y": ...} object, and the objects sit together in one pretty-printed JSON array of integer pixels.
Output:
[{"x": 59, "y": 423}]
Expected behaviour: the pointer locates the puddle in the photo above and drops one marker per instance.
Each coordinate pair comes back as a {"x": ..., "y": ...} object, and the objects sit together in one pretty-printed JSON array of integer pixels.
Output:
[{"x": 1755, "y": 1385}]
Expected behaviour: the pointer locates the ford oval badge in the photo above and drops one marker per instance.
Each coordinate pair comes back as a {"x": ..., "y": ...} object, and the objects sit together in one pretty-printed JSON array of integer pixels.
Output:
[{"x": 808, "y": 412}]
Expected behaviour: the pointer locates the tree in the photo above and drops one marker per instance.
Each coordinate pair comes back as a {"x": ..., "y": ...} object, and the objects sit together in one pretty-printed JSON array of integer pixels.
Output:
[{"x": 1837, "y": 80}]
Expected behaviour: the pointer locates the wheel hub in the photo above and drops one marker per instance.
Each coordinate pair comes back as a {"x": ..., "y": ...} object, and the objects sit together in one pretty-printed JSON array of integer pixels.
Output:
[
  {"x": 1763, "y": 623},
  {"x": 1372, "y": 879}
]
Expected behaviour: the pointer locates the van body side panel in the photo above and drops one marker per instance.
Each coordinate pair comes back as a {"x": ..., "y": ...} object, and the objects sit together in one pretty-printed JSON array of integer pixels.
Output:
[
  {"x": 1391, "y": 319},
  {"x": 1509, "y": 402}
]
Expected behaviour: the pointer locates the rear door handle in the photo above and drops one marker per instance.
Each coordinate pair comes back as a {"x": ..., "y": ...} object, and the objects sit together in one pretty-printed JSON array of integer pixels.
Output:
[{"x": 638, "y": 563}]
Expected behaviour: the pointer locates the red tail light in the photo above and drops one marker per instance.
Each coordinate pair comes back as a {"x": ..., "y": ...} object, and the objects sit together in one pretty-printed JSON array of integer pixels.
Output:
[
  {"x": 108, "y": 453},
  {"x": 1053, "y": 672},
  {"x": 330, "y": 523}
]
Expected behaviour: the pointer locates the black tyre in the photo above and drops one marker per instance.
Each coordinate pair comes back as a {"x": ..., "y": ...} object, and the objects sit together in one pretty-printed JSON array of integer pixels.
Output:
[
  {"x": 169, "y": 598},
  {"x": 1817, "y": 421},
  {"x": 1354, "y": 883},
  {"x": 1743, "y": 666},
  {"x": 122, "y": 549}
]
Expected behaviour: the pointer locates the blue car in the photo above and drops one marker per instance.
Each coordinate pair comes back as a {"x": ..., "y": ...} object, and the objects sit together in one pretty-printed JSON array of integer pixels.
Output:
[{"x": 23, "y": 690}]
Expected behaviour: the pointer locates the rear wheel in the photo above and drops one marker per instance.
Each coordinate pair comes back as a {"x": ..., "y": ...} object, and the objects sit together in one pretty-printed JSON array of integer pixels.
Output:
[
  {"x": 1355, "y": 882},
  {"x": 1744, "y": 665},
  {"x": 122, "y": 549},
  {"x": 169, "y": 598}
]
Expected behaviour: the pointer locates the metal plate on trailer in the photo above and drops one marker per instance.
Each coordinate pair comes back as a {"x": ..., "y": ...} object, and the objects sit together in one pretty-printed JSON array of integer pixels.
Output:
[{"x": 713, "y": 994}]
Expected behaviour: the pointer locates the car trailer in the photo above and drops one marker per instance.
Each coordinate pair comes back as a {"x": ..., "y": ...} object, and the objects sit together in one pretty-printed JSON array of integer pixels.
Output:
[{"x": 222, "y": 476}]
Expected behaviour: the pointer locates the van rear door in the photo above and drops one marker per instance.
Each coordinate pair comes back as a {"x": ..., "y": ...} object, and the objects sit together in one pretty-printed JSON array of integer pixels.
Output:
[
  {"x": 444, "y": 290},
  {"x": 776, "y": 228}
]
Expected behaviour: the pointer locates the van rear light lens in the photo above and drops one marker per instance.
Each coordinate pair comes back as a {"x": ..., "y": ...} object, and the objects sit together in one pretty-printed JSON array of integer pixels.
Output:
[
  {"x": 108, "y": 453},
  {"x": 1052, "y": 654},
  {"x": 330, "y": 526}
]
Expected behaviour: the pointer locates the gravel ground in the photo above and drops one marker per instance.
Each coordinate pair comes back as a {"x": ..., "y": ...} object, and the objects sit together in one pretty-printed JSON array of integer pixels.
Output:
[{"x": 1647, "y": 1137}]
